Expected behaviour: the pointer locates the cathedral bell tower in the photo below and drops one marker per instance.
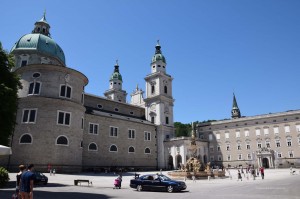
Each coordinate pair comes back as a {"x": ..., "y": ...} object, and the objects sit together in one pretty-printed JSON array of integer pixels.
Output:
[
  {"x": 235, "y": 112},
  {"x": 115, "y": 91},
  {"x": 159, "y": 103}
]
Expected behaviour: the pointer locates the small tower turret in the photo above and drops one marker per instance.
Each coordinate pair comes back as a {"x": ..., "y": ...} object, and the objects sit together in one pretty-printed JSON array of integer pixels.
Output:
[
  {"x": 42, "y": 26},
  {"x": 235, "y": 112},
  {"x": 115, "y": 91},
  {"x": 158, "y": 62}
]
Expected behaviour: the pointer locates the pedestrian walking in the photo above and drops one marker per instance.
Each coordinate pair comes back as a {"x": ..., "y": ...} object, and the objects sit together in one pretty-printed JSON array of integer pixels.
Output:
[
  {"x": 239, "y": 176},
  {"x": 26, "y": 183},
  {"x": 262, "y": 172}
]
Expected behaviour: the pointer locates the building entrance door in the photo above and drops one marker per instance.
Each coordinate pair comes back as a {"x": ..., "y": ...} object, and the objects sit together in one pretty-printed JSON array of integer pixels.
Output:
[{"x": 265, "y": 163}]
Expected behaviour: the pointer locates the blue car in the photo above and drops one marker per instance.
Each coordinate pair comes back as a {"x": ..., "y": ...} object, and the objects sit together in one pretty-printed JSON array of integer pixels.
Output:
[{"x": 157, "y": 183}]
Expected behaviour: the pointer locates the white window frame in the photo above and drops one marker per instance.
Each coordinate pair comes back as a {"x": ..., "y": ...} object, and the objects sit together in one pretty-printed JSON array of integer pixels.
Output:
[
  {"x": 115, "y": 131},
  {"x": 66, "y": 91},
  {"x": 239, "y": 146},
  {"x": 287, "y": 129},
  {"x": 259, "y": 145},
  {"x": 289, "y": 140},
  {"x": 240, "y": 156},
  {"x": 210, "y": 137},
  {"x": 228, "y": 157},
  {"x": 298, "y": 140},
  {"x": 64, "y": 122},
  {"x": 218, "y": 148},
  {"x": 219, "y": 157},
  {"x": 298, "y": 128},
  {"x": 23, "y": 135},
  {"x": 237, "y": 134},
  {"x": 257, "y": 132},
  {"x": 249, "y": 156},
  {"x": 228, "y": 147},
  {"x": 93, "y": 128},
  {"x": 28, "y": 115},
  {"x": 34, "y": 86},
  {"x": 131, "y": 133},
  {"x": 62, "y": 144},
  {"x": 218, "y": 136},
  {"x": 226, "y": 135},
  {"x": 290, "y": 154},
  {"x": 246, "y": 133},
  {"x": 133, "y": 149},
  {"x": 145, "y": 150},
  {"x": 248, "y": 148},
  {"x": 147, "y": 136},
  {"x": 211, "y": 149},
  {"x": 268, "y": 143},
  {"x": 266, "y": 131},
  {"x": 90, "y": 144},
  {"x": 279, "y": 155},
  {"x": 113, "y": 151},
  {"x": 277, "y": 141},
  {"x": 276, "y": 129}
]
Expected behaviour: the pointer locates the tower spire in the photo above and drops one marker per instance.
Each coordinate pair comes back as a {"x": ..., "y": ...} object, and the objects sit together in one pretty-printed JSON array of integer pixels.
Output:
[
  {"x": 235, "y": 112},
  {"x": 42, "y": 26}
]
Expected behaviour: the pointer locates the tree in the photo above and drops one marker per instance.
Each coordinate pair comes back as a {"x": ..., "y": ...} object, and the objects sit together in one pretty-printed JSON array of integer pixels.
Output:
[
  {"x": 182, "y": 129},
  {"x": 9, "y": 85}
]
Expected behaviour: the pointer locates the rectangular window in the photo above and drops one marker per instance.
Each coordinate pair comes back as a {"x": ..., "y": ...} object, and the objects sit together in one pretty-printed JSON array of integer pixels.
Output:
[
  {"x": 64, "y": 118},
  {"x": 291, "y": 154},
  {"x": 211, "y": 149},
  {"x": 131, "y": 133},
  {"x": 29, "y": 115},
  {"x": 299, "y": 140},
  {"x": 237, "y": 134},
  {"x": 239, "y": 147},
  {"x": 298, "y": 128},
  {"x": 147, "y": 136},
  {"x": 212, "y": 158},
  {"x": 257, "y": 132},
  {"x": 246, "y": 133},
  {"x": 82, "y": 123},
  {"x": 239, "y": 156},
  {"x": 259, "y": 145},
  {"x": 167, "y": 120},
  {"x": 210, "y": 137},
  {"x": 287, "y": 129},
  {"x": 268, "y": 145},
  {"x": 218, "y": 148},
  {"x": 228, "y": 147},
  {"x": 276, "y": 130},
  {"x": 65, "y": 91},
  {"x": 266, "y": 131},
  {"x": 279, "y": 155},
  {"x": 113, "y": 131},
  {"x": 228, "y": 157},
  {"x": 277, "y": 142},
  {"x": 248, "y": 146},
  {"x": 227, "y": 135},
  {"x": 249, "y": 156},
  {"x": 94, "y": 128},
  {"x": 219, "y": 158},
  {"x": 218, "y": 136},
  {"x": 23, "y": 63},
  {"x": 289, "y": 142},
  {"x": 152, "y": 120},
  {"x": 34, "y": 88}
]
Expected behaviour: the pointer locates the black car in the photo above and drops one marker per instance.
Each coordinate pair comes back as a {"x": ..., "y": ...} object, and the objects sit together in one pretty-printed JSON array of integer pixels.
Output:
[
  {"x": 40, "y": 178},
  {"x": 157, "y": 183}
]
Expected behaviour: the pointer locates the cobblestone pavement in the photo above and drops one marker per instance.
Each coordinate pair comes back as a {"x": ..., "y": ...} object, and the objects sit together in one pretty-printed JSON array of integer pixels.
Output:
[{"x": 278, "y": 183}]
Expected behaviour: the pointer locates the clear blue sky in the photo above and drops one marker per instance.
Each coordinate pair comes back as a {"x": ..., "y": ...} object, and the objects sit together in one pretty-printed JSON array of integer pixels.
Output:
[{"x": 213, "y": 48}]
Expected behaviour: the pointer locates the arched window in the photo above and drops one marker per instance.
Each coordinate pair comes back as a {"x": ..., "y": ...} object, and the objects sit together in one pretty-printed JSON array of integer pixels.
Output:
[
  {"x": 62, "y": 140},
  {"x": 26, "y": 139},
  {"x": 147, "y": 150},
  {"x": 166, "y": 89},
  {"x": 113, "y": 148},
  {"x": 131, "y": 149},
  {"x": 93, "y": 147}
]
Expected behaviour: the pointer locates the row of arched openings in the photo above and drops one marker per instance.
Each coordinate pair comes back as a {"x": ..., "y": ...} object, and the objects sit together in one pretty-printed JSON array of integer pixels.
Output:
[{"x": 63, "y": 140}]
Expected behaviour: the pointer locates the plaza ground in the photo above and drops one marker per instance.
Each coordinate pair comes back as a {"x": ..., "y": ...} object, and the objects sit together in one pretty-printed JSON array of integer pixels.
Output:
[{"x": 278, "y": 183}]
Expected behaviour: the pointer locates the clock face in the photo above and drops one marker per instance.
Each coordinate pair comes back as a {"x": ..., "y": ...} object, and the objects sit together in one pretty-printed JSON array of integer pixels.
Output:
[{"x": 152, "y": 107}]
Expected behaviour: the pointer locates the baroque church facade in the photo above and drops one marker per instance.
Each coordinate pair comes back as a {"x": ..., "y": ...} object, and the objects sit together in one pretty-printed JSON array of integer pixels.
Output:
[{"x": 58, "y": 124}]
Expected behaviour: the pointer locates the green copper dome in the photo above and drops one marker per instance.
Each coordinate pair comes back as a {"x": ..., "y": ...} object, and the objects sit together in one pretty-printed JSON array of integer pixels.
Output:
[
  {"x": 40, "y": 43},
  {"x": 158, "y": 54},
  {"x": 116, "y": 74}
]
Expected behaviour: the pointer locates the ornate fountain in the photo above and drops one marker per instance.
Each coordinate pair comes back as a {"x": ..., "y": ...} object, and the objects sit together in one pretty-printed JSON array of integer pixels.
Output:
[{"x": 194, "y": 166}]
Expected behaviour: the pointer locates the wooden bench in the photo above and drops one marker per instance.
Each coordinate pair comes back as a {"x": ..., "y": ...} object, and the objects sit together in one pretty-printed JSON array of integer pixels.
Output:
[{"x": 80, "y": 181}]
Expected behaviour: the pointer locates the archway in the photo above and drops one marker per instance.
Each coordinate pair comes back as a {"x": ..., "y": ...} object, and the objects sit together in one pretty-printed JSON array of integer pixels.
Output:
[
  {"x": 178, "y": 160},
  {"x": 170, "y": 163},
  {"x": 265, "y": 163},
  {"x": 205, "y": 159}
]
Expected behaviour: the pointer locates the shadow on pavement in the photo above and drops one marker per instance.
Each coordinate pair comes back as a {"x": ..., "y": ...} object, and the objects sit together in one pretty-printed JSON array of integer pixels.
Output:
[{"x": 7, "y": 194}]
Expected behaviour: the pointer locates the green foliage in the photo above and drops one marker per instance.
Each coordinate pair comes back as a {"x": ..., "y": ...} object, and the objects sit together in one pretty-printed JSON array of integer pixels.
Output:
[
  {"x": 9, "y": 85},
  {"x": 182, "y": 129},
  {"x": 4, "y": 178}
]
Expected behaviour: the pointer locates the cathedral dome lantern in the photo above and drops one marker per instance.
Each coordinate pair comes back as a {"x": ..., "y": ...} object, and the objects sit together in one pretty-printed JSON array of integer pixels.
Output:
[
  {"x": 38, "y": 47},
  {"x": 158, "y": 56},
  {"x": 116, "y": 74}
]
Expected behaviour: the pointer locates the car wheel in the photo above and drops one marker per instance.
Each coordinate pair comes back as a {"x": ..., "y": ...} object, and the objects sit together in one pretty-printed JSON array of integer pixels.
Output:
[
  {"x": 170, "y": 189},
  {"x": 139, "y": 188}
]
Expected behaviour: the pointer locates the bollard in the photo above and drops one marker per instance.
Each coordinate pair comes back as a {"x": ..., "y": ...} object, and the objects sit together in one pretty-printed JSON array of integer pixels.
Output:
[{"x": 208, "y": 178}]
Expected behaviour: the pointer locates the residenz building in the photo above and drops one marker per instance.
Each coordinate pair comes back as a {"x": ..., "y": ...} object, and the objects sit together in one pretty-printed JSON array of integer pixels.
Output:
[{"x": 59, "y": 125}]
